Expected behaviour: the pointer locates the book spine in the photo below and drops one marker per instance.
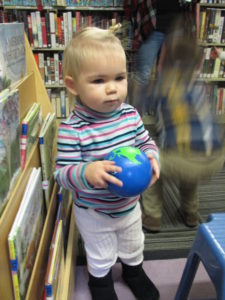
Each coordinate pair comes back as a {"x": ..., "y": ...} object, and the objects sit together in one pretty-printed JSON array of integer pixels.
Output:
[
  {"x": 63, "y": 103},
  {"x": 30, "y": 33},
  {"x": 78, "y": 20},
  {"x": 59, "y": 29},
  {"x": 39, "y": 30},
  {"x": 47, "y": 21},
  {"x": 14, "y": 269},
  {"x": 34, "y": 29},
  {"x": 23, "y": 145},
  {"x": 65, "y": 28},
  {"x": 69, "y": 25},
  {"x": 41, "y": 65},
  {"x": 220, "y": 30},
  {"x": 44, "y": 33},
  {"x": 56, "y": 67},
  {"x": 52, "y": 29}
]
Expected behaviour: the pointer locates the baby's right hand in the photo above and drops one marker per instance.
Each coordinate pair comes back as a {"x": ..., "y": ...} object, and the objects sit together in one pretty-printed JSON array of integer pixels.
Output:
[{"x": 97, "y": 173}]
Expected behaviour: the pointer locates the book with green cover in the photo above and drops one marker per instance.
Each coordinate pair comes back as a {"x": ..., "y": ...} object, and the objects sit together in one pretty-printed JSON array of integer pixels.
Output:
[
  {"x": 46, "y": 142},
  {"x": 25, "y": 234}
]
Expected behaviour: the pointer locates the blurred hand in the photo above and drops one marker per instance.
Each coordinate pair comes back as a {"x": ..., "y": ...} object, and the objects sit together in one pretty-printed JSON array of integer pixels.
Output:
[
  {"x": 215, "y": 52},
  {"x": 155, "y": 169},
  {"x": 97, "y": 173}
]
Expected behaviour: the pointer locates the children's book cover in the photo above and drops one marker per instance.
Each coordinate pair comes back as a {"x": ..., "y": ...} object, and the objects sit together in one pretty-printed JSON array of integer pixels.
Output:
[
  {"x": 25, "y": 234},
  {"x": 29, "y": 131},
  {"x": 9, "y": 143},
  {"x": 12, "y": 54},
  {"x": 46, "y": 141}
]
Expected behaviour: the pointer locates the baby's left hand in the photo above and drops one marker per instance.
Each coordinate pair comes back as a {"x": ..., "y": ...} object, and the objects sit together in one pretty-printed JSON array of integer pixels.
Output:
[{"x": 155, "y": 169}]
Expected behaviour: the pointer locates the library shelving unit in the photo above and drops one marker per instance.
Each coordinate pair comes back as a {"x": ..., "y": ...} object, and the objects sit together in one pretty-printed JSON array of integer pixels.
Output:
[
  {"x": 211, "y": 33},
  {"x": 49, "y": 26},
  {"x": 31, "y": 89}
]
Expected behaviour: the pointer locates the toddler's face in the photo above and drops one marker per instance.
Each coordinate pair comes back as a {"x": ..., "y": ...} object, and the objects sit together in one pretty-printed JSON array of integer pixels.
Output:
[{"x": 102, "y": 84}]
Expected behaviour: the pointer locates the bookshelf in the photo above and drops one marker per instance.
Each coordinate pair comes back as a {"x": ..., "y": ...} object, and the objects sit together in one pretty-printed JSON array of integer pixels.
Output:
[
  {"x": 211, "y": 33},
  {"x": 49, "y": 25},
  {"x": 31, "y": 89}
]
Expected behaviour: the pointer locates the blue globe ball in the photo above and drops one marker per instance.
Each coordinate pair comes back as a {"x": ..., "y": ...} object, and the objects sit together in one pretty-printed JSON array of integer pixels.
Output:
[{"x": 136, "y": 171}]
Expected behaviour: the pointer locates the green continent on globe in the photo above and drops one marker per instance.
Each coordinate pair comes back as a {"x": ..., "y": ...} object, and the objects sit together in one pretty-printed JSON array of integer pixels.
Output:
[{"x": 128, "y": 152}]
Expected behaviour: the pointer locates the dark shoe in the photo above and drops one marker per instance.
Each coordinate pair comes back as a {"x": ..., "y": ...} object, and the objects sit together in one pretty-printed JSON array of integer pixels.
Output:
[
  {"x": 151, "y": 224},
  {"x": 102, "y": 288},
  {"x": 190, "y": 219},
  {"x": 139, "y": 283}
]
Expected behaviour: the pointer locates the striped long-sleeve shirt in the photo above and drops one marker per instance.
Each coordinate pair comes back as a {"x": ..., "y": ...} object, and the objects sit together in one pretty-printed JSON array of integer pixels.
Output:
[{"x": 88, "y": 136}]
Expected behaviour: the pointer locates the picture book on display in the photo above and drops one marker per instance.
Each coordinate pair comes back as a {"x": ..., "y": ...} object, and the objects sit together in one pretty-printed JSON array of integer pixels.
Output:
[
  {"x": 29, "y": 131},
  {"x": 46, "y": 142},
  {"x": 12, "y": 53},
  {"x": 24, "y": 236},
  {"x": 9, "y": 143},
  {"x": 55, "y": 268}
]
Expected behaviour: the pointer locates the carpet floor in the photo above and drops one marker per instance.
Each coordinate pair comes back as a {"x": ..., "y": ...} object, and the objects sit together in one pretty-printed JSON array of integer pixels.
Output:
[
  {"x": 165, "y": 274},
  {"x": 175, "y": 239}
]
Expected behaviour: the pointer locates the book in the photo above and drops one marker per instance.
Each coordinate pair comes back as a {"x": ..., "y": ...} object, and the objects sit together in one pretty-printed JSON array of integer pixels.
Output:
[
  {"x": 30, "y": 33},
  {"x": 12, "y": 54},
  {"x": 39, "y": 29},
  {"x": 46, "y": 142},
  {"x": 52, "y": 29},
  {"x": 9, "y": 143},
  {"x": 29, "y": 131},
  {"x": 55, "y": 267},
  {"x": 64, "y": 206},
  {"x": 44, "y": 33},
  {"x": 34, "y": 29},
  {"x": 25, "y": 233}
]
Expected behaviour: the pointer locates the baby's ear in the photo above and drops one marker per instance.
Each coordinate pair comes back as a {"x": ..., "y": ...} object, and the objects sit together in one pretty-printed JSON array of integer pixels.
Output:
[{"x": 70, "y": 84}]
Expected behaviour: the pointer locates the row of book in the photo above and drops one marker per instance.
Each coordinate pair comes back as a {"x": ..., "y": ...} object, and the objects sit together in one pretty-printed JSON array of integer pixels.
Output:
[
  {"x": 77, "y": 3},
  {"x": 213, "y": 68},
  {"x": 48, "y": 29},
  {"x": 212, "y": 25},
  {"x": 213, "y": 1},
  {"x": 17, "y": 140},
  {"x": 216, "y": 96},
  {"x": 50, "y": 67},
  {"x": 61, "y": 103},
  {"x": 32, "y": 128},
  {"x": 24, "y": 238}
]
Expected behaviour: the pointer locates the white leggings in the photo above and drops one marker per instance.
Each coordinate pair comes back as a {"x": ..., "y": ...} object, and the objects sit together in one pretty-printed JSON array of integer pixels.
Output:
[{"x": 107, "y": 238}]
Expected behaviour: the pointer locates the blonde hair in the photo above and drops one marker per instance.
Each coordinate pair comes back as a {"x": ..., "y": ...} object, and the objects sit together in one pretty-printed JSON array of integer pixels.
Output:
[{"x": 86, "y": 45}]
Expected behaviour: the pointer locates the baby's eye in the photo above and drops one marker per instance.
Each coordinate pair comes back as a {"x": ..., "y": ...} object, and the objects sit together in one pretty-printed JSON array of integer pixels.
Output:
[
  {"x": 98, "y": 81},
  {"x": 120, "y": 78}
]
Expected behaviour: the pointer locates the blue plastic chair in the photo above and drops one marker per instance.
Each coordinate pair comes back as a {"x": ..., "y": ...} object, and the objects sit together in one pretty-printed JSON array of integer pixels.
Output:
[{"x": 209, "y": 248}]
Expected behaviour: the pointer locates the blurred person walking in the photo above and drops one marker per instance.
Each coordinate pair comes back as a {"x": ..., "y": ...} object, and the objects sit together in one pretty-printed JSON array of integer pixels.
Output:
[{"x": 191, "y": 139}]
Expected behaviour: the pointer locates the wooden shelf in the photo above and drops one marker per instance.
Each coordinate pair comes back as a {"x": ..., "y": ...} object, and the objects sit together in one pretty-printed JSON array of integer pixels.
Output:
[
  {"x": 31, "y": 89},
  {"x": 28, "y": 94}
]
